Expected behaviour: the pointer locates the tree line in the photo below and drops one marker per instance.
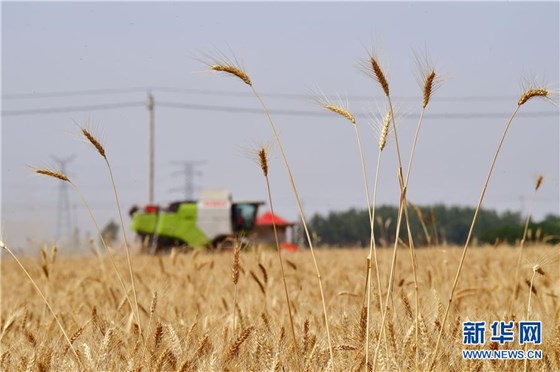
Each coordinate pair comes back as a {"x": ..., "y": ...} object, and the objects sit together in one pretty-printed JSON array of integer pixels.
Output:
[{"x": 430, "y": 226}]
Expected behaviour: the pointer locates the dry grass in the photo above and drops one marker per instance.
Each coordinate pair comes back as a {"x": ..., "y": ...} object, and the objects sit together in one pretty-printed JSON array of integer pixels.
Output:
[{"x": 190, "y": 322}]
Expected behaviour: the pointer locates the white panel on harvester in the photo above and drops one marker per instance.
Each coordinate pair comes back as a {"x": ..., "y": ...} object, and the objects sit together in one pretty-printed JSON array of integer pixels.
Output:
[{"x": 214, "y": 212}]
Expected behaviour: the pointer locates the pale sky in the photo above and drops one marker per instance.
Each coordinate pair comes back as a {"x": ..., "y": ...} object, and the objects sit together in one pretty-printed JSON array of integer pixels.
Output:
[{"x": 290, "y": 50}]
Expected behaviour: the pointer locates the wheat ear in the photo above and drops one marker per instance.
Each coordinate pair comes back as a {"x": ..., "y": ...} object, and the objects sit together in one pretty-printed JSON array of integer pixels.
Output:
[
  {"x": 294, "y": 189},
  {"x": 101, "y": 150},
  {"x": 233, "y": 70},
  {"x": 531, "y": 93},
  {"x": 5, "y": 247}
]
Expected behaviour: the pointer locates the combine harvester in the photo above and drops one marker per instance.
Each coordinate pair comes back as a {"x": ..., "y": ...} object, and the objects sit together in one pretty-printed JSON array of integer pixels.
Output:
[{"x": 206, "y": 223}]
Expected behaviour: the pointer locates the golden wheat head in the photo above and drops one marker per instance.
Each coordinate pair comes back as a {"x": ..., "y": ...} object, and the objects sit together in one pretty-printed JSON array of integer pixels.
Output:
[
  {"x": 539, "y": 182},
  {"x": 384, "y": 131},
  {"x": 428, "y": 88},
  {"x": 532, "y": 93},
  {"x": 379, "y": 75},
  {"x": 340, "y": 111},
  {"x": 233, "y": 70},
  {"x": 235, "y": 265},
  {"x": 51, "y": 173},
  {"x": 94, "y": 141},
  {"x": 263, "y": 160},
  {"x": 427, "y": 77}
]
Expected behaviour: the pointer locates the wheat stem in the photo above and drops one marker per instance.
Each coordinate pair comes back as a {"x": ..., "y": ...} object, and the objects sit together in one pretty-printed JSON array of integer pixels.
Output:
[
  {"x": 397, "y": 233},
  {"x": 300, "y": 210},
  {"x": 101, "y": 150},
  {"x": 292, "y": 328},
  {"x": 521, "y": 246},
  {"x": 127, "y": 247},
  {"x": 372, "y": 250},
  {"x": 528, "y": 317},
  {"x": 469, "y": 236},
  {"x": 152, "y": 311},
  {"x": 389, "y": 286},
  {"x": 411, "y": 243},
  {"x": 235, "y": 279}
]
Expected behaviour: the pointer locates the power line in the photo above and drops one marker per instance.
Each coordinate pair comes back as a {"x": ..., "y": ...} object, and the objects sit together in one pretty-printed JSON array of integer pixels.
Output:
[
  {"x": 189, "y": 91},
  {"x": 319, "y": 113},
  {"x": 302, "y": 96},
  {"x": 246, "y": 110},
  {"x": 56, "y": 110},
  {"x": 67, "y": 93}
]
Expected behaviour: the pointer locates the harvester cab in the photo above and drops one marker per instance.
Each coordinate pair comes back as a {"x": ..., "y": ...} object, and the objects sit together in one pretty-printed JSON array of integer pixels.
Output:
[{"x": 204, "y": 223}]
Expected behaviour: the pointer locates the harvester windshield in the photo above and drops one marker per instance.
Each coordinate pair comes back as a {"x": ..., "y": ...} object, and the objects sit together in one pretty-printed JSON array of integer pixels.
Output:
[{"x": 243, "y": 216}]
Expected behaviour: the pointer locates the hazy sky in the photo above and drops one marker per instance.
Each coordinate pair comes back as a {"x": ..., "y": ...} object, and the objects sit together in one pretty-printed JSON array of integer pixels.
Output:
[{"x": 290, "y": 50}]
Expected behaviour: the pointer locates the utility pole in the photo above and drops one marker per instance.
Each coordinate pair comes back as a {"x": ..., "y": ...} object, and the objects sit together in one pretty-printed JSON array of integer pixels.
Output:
[
  {"x": 63, "y": 220},
  {"x": 150, "y": 107},
  {"x": 189, "y": 172}
]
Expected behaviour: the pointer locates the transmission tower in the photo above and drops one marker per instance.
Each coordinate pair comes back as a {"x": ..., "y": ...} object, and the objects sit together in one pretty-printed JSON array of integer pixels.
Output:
[
  {"x": 63, "y": 218},
  {"x": 189, "y": 172}
]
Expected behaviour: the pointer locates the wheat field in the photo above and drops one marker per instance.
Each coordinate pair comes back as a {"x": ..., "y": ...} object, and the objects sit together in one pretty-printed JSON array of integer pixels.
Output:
[{"x": 186, "y": 301}]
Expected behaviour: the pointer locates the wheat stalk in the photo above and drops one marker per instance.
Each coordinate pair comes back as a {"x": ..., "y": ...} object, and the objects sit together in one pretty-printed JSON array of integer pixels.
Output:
[
  {"x": 235, "y": 277},
  {"x": 153, "y": 307},
  {"x": 373, "y": 247},
  {"x": 525, "y": 96},
  {"x": 341, "y": 110},
  {"x": 536, "y": 269},
  {"x": 228, "y": 69},
  {"x": 101, "y": 150},
  {"x": 263, "y": 162},
  {"x": 522, "y": 243},
  {"x": 374, "y": 70},
  {"x": 430, "y": 82}
]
